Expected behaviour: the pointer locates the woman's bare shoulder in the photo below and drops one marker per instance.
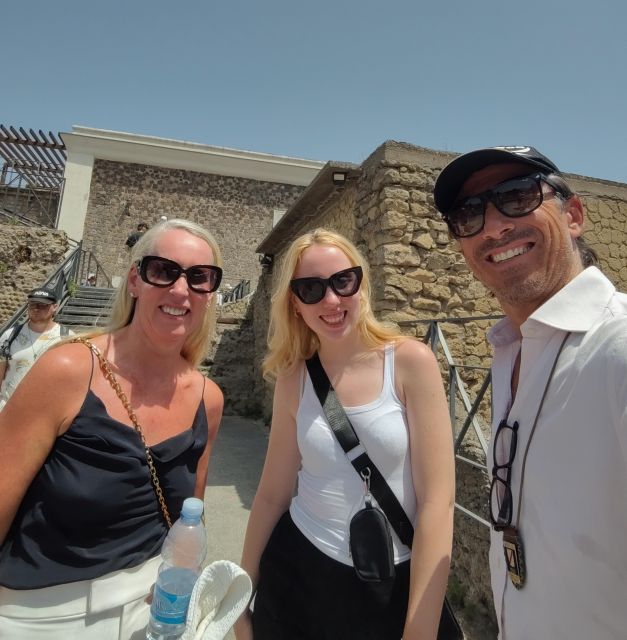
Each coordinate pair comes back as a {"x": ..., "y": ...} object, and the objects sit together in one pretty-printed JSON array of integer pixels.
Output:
[
  {"x": 212, "y": 393},
  {"x": 409, "y": 352},
  {"x": 68, "y": 362}
]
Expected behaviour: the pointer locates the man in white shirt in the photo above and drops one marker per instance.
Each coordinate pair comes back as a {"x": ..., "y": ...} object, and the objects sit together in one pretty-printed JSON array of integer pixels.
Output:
[
  {"x": 558, "y": 457},
  {"x": 33, "y": 338}
]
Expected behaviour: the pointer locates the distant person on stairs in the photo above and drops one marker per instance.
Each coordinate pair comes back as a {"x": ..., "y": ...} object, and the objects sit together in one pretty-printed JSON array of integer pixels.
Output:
[{"x": 21, "y": 345}]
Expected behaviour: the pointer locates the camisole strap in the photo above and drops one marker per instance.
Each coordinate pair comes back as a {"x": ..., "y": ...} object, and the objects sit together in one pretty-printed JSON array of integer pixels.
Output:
[
  {"x": 91, "y": 373},
  {"x": 388, "y": 368},
  {"x": 303, "y": 379},
  {"x": 93, "y": 356}
]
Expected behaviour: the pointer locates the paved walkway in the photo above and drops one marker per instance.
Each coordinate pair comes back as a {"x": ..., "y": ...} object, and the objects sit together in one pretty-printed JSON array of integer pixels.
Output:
[{"x": 234, "y": 470}]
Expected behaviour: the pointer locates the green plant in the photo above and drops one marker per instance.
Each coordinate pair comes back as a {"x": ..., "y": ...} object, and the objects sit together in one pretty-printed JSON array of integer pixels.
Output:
[
  {"x": 4, "y": 267},
  {"x": 72, "y": 288}
]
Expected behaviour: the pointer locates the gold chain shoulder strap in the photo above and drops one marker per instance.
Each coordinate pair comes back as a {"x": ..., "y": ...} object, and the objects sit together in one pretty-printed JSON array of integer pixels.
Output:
[{"x": 110, "y": 377}]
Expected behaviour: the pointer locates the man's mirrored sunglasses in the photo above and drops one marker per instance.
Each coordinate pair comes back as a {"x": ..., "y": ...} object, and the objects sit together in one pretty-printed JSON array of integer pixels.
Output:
[
  {"x": 514, "y": 198},
  {"x": 161, "y": 272},
  {"x": 39, "y": 306},
  {"x": 344, "y": 283}
]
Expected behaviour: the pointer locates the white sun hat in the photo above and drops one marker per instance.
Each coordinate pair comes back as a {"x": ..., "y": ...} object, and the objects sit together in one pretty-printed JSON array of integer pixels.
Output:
[{"x": 220, "y": 596}]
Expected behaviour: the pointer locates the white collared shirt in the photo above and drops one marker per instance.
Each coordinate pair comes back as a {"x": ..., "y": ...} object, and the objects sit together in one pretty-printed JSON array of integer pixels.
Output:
[
  {"x": 25, "y": 349},
  {"x": 573, "y": 520}
]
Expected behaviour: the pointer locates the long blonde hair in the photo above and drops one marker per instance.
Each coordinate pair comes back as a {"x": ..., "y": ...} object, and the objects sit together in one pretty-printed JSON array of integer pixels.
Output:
[
  {"x": 290, "y": 340},
  {"x": 123, "y": 307}
]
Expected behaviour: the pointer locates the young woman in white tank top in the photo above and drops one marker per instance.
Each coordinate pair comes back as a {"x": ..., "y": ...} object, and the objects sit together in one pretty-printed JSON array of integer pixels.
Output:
[{"x": 296, "y": 546}]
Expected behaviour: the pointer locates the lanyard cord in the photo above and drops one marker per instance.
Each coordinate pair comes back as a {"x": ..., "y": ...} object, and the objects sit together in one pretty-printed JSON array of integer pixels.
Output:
[
  {"x": 535, "y": 423},
  {"x": 524, "y": 463}
]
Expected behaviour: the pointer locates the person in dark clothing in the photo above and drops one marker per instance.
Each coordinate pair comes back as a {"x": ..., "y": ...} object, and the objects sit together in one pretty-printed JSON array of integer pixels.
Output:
[
  {"x": 142, "y": 227},
  {"x": 82, "y": 515}
]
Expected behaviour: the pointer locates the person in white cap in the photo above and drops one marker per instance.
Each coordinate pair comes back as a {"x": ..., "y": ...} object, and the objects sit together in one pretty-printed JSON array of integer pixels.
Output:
[
  {"x": 22, "y": 344},
  {"x": 558, "y": 457}
]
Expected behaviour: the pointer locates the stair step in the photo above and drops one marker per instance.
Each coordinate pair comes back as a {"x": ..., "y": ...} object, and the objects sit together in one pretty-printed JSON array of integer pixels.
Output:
[
  {"x": 87, "y": 302},
  {"x": 84, "y": 321},
  {"x": 94, "y": 295},
  {"x": 89, "y": 307}
]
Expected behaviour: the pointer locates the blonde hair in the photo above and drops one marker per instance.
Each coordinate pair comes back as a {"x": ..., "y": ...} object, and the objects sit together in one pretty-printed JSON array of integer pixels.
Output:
[
  {"x": 290, "y": 340},
  {"x": 123, "y": 307}
]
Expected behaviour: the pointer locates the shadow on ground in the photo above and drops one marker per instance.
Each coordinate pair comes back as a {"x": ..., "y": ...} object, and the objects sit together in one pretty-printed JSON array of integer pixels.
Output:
[{"x": 234, "y": 471}]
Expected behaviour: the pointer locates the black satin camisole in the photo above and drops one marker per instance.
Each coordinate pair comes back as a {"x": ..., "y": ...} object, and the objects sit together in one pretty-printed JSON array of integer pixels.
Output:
[{"x": 91, "y": 509}]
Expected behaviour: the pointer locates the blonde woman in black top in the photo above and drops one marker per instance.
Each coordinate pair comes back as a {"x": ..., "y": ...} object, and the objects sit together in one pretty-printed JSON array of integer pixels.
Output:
[{"x": 81, "y": 526}]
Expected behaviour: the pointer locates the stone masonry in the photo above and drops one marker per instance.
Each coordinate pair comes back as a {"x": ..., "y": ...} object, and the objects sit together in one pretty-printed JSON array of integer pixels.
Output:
[
  {"x": 417, "y": 276},
  {"x": 385, "y": 206},
  {"x": 239, "y": 212},
  {"x": 28, "y": 256}
]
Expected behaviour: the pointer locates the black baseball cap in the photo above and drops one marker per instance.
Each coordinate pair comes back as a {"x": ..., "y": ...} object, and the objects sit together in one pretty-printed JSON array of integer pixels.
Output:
[
  {"x": 43, "y": 294},
  {"x": 454, "y": 175}
]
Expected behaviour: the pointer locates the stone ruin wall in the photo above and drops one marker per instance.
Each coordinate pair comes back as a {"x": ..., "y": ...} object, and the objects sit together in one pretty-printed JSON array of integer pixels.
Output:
[
  {"x": 416, "y": 272},
  {"x": 418, "y": 275},
  {"x": 28, "y": 256},
  {"x": 237, "y": 211},
  {"x": 37, "y": 205}
]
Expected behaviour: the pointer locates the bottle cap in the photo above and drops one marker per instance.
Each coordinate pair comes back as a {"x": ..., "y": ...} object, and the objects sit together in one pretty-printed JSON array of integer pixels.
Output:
[{"x": 192, "y": 508}]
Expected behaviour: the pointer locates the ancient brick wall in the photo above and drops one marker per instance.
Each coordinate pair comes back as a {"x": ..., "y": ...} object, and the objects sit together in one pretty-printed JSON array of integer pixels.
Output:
[
  {"x": 419, "y": 275},
  {"x": 37, "y": 205},
  {"x": 239, "y": 212},
  {"x": 28, "y": 256}
]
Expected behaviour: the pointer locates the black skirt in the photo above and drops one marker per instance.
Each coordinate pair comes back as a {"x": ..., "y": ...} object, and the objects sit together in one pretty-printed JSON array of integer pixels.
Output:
[{"x": 305, "y": 595}]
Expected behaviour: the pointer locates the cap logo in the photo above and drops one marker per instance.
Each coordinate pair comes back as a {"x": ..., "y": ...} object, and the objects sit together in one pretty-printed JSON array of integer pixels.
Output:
[
  {"x": 45, "y": 294},
  {"x": 515, "y": 149}
]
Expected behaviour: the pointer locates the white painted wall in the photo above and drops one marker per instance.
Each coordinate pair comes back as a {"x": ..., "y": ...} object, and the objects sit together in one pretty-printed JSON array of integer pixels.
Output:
[
  {"x": 78, "y": 170},
  {"x": 84, "y": 144}
]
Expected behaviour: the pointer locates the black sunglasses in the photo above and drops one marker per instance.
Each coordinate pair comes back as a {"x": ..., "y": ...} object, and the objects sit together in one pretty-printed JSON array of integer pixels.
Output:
[
  {"x": 344, "y": 283},
  {"x": 501, "y": 500},
  {"x": 161, "y": 272},
  {"x": 514, "y": 198}
]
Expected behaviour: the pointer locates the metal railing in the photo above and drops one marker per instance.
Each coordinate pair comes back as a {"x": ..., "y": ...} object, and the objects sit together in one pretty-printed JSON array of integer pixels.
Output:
[
  {"x": 59, "y": 281},
  {"x": 33, "y": 196},
  {"x": 240, "y": 290},
  {"x": 458, "y": 390},
  {"x": 65, "y": 278},
  {"x": 89, "y": 265}
]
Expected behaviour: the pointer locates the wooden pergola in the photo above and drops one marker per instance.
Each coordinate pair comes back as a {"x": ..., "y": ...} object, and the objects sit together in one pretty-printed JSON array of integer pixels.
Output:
[{"x": 35, "y": 159}]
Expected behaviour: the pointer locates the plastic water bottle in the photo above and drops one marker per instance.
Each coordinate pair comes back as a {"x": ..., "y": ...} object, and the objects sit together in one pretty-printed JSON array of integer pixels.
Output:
[{"x": 183, "y": 553}]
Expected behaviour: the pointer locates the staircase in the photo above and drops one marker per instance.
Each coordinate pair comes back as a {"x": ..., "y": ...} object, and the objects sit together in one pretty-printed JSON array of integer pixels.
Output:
[{"x": 88, "y": 307}]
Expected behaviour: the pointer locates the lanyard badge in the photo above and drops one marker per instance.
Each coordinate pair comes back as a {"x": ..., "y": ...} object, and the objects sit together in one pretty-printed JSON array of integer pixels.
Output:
[{"x": 514, "y": 556}]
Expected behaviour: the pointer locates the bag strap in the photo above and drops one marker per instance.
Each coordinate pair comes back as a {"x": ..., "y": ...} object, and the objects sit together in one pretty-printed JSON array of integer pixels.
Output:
[
  {"x": 6, "y": 347},
  {"x": 356, "y": 453},
  {"x": 112, "y": 380}
]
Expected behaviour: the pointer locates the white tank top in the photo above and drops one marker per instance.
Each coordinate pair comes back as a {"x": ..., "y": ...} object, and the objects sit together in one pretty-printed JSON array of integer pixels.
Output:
[{"x": 329, "y": 490}]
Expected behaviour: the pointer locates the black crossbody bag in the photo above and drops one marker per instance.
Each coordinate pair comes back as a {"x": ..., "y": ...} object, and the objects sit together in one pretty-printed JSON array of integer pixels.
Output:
[{"x": 370, "y": 539}]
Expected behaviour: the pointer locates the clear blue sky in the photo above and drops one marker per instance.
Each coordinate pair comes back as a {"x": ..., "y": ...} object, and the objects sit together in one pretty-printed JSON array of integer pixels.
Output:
[{"x": 328, "y": 80}]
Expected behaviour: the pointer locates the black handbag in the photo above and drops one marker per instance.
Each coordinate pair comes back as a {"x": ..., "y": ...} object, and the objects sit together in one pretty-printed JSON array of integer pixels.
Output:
[
  {"x": 376, "y": 484},
  {"x": 370, "y": 543}
]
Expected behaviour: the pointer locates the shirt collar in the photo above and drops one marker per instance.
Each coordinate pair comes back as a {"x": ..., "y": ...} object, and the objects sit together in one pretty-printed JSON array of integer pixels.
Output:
[{"x": 575, "y": 307}]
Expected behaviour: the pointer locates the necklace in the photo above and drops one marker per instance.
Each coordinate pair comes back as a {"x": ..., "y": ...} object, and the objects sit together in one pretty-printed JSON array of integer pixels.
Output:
[{"x": 33, "y": 338}]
